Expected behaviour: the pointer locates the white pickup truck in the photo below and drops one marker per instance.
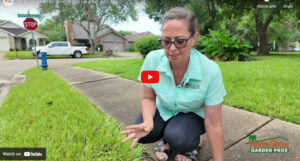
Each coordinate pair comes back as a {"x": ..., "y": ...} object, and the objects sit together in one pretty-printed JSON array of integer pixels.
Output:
[{"x": 61, "y": 48}]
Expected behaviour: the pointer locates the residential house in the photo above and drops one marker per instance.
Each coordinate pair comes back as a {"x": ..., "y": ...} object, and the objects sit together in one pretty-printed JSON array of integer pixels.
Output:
[
  {"x": 13, "y": 35},
  {"x": 107, "y": 38},
  {"x": 136, "y": 36}
]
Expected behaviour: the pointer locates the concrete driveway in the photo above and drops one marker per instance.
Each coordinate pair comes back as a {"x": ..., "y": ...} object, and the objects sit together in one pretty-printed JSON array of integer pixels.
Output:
[{"x": 2, "y": 53}]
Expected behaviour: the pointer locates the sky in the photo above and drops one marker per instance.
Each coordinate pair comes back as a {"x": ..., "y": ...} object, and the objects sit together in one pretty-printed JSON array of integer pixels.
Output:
[{"x": 9, "y": 11}]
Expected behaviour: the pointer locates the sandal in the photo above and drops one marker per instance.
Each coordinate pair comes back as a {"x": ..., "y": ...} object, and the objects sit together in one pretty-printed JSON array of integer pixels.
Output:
[
  {"x": 160, "y": 148},
  {"x": 193, "y": 155}
]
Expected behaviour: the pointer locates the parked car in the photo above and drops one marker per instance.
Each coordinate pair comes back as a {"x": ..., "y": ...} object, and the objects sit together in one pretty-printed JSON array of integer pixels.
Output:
[{"x": 61, "y": 48}]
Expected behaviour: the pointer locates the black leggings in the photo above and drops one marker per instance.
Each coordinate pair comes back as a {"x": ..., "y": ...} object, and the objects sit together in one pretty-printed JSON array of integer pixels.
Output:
[{"x": 182, "y": 132}]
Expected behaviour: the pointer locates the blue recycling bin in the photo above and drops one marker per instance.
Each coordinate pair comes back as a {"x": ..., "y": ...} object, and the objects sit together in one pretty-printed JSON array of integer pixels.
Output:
[{"x": 43, "y": 57}]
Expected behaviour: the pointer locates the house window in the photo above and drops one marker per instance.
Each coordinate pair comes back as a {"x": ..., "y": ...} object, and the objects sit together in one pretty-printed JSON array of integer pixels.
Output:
[{"x": 31, "y": 44}]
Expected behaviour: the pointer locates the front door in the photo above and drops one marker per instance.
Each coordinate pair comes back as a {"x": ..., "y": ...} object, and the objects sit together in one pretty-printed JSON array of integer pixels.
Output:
[{"x": 41, "y": 42}]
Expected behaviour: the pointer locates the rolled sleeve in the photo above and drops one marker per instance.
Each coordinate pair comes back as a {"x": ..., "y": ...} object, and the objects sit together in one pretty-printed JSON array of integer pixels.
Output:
[{"x": 216, "y": 90}]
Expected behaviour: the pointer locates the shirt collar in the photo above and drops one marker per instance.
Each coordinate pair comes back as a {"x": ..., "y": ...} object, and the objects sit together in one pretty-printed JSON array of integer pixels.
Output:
[
  {"x": 194, "y": 68},
  {"x": 164, "y": 66}
]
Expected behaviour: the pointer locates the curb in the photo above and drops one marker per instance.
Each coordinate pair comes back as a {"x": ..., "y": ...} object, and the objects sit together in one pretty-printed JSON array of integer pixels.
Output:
[{"x": 17, "y": 79}]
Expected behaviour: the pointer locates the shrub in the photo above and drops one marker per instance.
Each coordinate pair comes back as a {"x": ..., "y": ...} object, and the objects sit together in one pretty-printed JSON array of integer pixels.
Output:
[
  {"x": 222, "y": 46},
  {"x": 14, "y": 49},
  {"x": 132, "y": 48},
  {"x": 147, "y": 44},
  {"x": 292, "y": 46}
]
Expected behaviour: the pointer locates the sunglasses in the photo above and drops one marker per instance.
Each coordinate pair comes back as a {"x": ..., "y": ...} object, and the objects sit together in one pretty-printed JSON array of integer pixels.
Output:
[{"x": 179, "y": 43}]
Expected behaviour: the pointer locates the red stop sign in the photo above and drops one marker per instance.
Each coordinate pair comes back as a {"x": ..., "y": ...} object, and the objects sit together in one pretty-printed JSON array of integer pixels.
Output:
[{"x": 30, "y": 24}]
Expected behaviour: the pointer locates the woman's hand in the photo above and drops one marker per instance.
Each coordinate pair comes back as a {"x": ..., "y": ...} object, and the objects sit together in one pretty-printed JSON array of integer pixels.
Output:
[{"x": 137, "y": 131}]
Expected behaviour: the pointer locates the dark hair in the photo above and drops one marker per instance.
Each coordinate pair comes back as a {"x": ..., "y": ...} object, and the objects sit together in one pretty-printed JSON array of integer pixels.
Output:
[{"x": 182, "y": 13}]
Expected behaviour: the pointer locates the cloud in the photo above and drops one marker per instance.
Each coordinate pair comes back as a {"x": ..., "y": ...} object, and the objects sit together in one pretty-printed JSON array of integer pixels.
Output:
[{"x": 141, "y": 25}]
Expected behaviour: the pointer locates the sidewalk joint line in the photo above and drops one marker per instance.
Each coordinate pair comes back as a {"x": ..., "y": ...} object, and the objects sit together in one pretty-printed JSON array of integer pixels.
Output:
[
  {"x": 93, "y": 81},
  {"x": 236, "y": 142},
  {"x": 251, "y": 132}
]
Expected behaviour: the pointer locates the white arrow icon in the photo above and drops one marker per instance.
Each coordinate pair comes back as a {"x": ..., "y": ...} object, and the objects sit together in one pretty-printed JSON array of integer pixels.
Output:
[{"x": 149, "y": 77}]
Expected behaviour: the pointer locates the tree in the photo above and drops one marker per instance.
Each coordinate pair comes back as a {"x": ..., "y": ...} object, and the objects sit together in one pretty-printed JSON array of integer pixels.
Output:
[
  {"x": 53, "y": 30},
  {"x": 205, "y": 10},
  {"x": 217, "y": 10},
  {"x": 263, "y": 12},
  {"x": 91, "y": 15},
  {"x": 156, "y": 9},
  {"x": 211, "y": 7},
  {"x": 284, "y": 29}
]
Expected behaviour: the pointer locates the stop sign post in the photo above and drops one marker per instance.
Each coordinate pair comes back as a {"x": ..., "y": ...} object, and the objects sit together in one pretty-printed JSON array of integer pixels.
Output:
[{"x": 31, "y": 24}]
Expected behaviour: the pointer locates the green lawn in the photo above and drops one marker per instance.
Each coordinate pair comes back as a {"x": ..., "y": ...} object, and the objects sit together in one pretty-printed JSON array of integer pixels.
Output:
[
  {"x": 20, "y": 54},
  {"x": 135, "y": 52},
  {"x": 128, "y": 68},
  {"x": 269, "y": 86},
  {"x": 45, "y": 111},
  {"x": 285, "y": 53},
  {"x": 27, "y": 55}
]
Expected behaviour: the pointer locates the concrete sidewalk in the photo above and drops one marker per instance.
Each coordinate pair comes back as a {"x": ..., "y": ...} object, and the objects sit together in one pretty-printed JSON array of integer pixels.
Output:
[{"x": 121, "y": 99}]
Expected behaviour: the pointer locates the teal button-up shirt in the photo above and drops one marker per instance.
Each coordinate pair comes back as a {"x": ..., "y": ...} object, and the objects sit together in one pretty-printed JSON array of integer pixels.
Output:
[{"x": 201, "y": 85}]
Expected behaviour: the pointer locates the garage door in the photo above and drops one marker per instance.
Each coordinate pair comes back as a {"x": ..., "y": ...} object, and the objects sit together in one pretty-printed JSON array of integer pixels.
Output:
[
  {"x": 4, "y": 46},
  {"x": 115, "y": 46}
]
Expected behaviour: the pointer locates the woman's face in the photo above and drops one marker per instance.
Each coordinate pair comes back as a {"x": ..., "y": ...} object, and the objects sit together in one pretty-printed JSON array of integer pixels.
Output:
[{"x": 178, "y": 29}]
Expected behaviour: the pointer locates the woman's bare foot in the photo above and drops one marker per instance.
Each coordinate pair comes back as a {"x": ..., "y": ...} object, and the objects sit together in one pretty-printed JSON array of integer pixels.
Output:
[{"x": 162, "y": 156}]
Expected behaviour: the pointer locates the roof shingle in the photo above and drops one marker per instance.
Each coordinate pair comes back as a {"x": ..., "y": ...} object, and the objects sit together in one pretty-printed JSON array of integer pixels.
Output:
[
  {"x": 137, "y": 36},
  {"x": 15, "y": 31}
]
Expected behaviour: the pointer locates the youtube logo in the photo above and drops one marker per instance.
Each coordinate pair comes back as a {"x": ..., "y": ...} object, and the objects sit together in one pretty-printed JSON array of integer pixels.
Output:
[{"x": 150, "y": 76}]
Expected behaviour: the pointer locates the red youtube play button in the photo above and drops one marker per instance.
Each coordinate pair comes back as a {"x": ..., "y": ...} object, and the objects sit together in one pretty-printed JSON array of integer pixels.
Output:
[{"x": 150, "y": 76}]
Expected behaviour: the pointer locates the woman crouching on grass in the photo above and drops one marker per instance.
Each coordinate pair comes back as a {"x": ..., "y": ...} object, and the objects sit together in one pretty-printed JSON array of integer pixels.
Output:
[{"x": 187, "y": 101}]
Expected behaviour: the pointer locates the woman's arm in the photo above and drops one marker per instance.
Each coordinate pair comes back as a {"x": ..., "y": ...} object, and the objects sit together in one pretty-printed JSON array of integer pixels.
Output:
[
  {"x": 148, "y": 111},
  {"x": 215, "y": 131},
  {"x": 148, "y": 107}
]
